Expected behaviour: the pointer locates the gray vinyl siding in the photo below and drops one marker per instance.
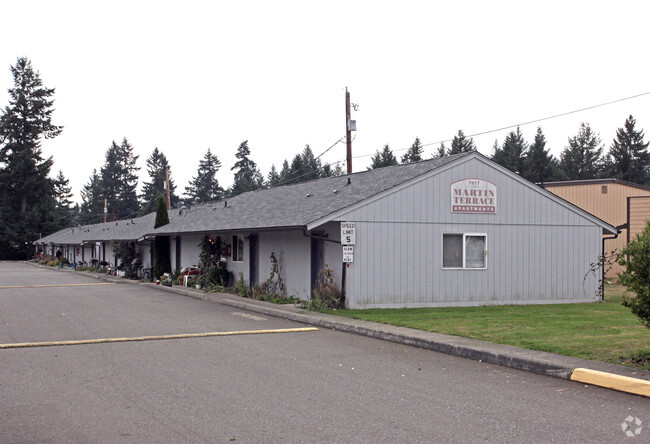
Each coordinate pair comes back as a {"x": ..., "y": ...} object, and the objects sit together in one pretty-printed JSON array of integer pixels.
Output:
[
  {"x": 292, "y": 251},
  {"x": 539, "y": 250},
  {"x": 190, "y": 249}
]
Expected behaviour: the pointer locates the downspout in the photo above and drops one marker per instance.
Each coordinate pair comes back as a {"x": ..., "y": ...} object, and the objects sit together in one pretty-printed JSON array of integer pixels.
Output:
[
  {"x": 343, "y": 264},
  {"x": 602, "y": 277}
]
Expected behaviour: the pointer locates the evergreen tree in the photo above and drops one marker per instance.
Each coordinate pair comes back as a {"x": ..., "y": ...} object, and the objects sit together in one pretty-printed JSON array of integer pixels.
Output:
[
  {"x": 62, "y": 195},
  {"x": 27, "y": 200},
  {"x": 120, "y": 180},
  {"x": 157, "y": 168},
  {"x": 583, "y": 158},
  {"x": 414, "y": 153},
  {"x": 161, "y": 250},
  {"x": 441, "y": 151},
  {"x": 512, "y": 154},
  {"x": 383, "y": 158},
  {"x": 247, "y": 176},
  {"x": 92, "y": 196},
  {"x": 204, "y": 187},
  {"x": 461, "y": 144},
  {"x": 285, "y": 172},
  {"x": 540, "y": 165},
  {"x": 628, "y": 156},
  {"x": 326, "y": 170},
  {"x": 338, "y": 170},
  {"x": 311, "y": 165},
  {"x": 273, "y": 179}
]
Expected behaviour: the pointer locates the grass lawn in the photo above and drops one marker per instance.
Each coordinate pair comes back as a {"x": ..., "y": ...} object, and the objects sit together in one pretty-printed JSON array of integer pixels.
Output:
[{"x": 606, "y": 332}]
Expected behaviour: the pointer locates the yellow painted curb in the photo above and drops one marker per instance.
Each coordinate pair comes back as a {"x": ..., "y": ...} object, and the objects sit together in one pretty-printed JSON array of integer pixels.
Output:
[
  {"x": 157, "y": 338},
  {"x": 57, "y": 285},
  {"x": 612, "y": 381}
]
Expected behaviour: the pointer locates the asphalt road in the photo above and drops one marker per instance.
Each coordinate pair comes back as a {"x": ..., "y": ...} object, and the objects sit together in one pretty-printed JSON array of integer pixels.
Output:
[{"x": 307, "y": 386}]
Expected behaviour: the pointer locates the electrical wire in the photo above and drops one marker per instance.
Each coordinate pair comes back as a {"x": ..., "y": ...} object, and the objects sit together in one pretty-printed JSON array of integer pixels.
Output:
[{"x": 482, "y": 133}]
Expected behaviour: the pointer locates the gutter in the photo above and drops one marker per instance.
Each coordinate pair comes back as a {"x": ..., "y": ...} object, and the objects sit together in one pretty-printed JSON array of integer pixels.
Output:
[{"x": 602, "y": 277}]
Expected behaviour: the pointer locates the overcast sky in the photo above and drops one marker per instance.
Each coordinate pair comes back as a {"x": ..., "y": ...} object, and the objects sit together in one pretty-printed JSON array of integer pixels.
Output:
[{"x": 192, "y": 75}]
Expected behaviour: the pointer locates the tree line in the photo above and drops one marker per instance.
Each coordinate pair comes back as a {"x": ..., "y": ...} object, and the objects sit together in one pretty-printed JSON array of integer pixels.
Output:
[
  {"x": 33, "y": 204},
  {"x": 584, "y": 156}
]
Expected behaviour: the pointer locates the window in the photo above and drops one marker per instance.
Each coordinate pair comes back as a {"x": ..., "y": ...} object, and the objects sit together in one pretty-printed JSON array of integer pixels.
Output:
[
  {"x": 237, "y": 249},
  {"x": 464, "y": 250},
  {"x": 603, "y": 189}
]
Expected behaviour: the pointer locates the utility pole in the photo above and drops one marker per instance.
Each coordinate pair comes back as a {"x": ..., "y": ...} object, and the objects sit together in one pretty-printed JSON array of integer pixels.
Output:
[
  {"x": 347, "y": 132},
  {"x": 105, "y": 210},
  {"x": 169, "y": 201}
]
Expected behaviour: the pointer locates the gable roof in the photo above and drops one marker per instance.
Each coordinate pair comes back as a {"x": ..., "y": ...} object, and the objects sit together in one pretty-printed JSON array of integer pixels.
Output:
[
  {"x": 121, "y": 230},
  {"x": 296, "y": 206}
]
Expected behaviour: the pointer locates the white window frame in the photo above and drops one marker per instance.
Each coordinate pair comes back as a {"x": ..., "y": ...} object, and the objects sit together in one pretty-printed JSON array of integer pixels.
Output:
[
  {"x": 235, "y": 249},
  {"x": 465, "y": 236}
]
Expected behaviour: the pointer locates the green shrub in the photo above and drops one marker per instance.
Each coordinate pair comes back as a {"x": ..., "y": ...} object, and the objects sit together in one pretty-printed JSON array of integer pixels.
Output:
[
  {"x": 636, "y": 277},
  {"x": 326, "y": 295}
]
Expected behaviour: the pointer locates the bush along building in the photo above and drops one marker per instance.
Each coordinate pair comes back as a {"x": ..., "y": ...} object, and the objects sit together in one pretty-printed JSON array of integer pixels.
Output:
[{"x": 453, "y": 231}]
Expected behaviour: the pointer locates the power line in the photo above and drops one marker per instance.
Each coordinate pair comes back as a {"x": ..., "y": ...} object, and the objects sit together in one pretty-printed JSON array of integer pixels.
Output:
[{"x": 525, "y": 123}]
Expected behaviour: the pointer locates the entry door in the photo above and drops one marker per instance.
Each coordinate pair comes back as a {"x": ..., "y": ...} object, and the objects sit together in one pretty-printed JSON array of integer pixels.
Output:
[
  {"x": 317, "y": 259},
  {"x": 253, "y": 247}
]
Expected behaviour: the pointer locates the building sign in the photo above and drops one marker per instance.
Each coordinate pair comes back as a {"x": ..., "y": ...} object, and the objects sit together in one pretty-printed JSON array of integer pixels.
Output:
[
  {"x": 348, "y": 233},
  {"x": 473, "y": 196},
  {"x": 348, "y": 253}
]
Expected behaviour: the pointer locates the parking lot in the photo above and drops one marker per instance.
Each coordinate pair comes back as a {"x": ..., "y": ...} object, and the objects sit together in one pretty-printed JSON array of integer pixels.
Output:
[{"x": 191, "y": 376}]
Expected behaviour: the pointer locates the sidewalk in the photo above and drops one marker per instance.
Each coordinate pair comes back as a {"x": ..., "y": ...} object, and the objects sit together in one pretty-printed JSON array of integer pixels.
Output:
[{"x": 565, "y": 367}]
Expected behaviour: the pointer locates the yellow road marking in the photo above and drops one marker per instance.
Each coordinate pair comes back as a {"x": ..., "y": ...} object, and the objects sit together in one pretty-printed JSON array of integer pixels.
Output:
[
  {"x": 157, "y": 338},
  {"x": 57, "y": 285},
  {"x": 611, "y": 381}
]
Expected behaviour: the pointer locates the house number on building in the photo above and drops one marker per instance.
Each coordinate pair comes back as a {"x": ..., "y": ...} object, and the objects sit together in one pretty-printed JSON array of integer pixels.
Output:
[{"x": 348, "y": 233}]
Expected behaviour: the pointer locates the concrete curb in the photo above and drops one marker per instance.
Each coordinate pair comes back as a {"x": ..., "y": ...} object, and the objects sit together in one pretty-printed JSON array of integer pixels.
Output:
[
  {"x": 609, "y": 376},
  {"x": 543, "y": 363}
]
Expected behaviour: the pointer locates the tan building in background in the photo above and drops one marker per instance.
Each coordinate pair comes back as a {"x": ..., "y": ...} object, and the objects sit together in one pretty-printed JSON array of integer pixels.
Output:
[{"x": 617, "y": 202}]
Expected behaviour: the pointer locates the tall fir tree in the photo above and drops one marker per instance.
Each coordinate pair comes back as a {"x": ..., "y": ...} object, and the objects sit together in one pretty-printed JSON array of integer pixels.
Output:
[
  {"x": 414, "y": 153},
  {"x": 541, "y": 166},
  {"x": 247, "y": 176},
  {"x": 157, "y": 168},
  {"x": 461, "y": 144},
  {"x": 27, "y": 200},
  {"x": 512, "y": 154},
  {"x": 628, "y": 157},
  {"x": 285, "y": 172},
  {"x": 120, "y": 180},
  {"x": 383, "y": 158},
  {"x": 305, "y": 167},
  {"x": 273, "y": 179},
  {"x": 441, "y": 151},
  {"x": 204, "y": 187},
  {"x": 92, "y": 196},
  {"x": 583, "y": 158},
  {"x": 65, "y": 211}
]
